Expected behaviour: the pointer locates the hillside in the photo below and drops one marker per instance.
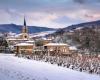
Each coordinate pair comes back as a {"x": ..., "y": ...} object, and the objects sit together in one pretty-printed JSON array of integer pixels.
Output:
[
  {"x": 17, "y": 28},
  {"x": 24, "y": 69},
  {"x": 83, "y": 25},
  {"x": 92, "y": 25}
]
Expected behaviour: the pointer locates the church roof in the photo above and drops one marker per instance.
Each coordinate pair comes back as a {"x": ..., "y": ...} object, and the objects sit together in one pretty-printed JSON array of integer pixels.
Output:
[{"x": 24, "y": 44}]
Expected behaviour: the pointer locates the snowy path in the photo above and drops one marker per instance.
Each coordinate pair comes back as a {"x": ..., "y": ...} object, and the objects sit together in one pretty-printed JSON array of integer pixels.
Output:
[{"x": 13, "y": 68}]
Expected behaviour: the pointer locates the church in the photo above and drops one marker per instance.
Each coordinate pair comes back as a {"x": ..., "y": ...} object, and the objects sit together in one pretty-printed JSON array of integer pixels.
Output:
[{"x": 21, "y": 42}]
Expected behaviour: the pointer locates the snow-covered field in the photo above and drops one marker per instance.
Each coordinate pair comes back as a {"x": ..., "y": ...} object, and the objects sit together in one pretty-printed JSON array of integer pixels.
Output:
[{"x": 14, "y": 68}]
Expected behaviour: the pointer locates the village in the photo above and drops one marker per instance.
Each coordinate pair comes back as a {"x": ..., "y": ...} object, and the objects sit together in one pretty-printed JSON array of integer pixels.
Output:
[
  {"x": 23, "y": 43},
  {"x": 45, "y": 49},
  {"x": 49, "y": 40}
]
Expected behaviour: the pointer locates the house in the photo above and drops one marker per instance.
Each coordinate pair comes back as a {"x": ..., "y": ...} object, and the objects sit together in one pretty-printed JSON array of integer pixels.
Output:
[
  {"x": 46, "y": 41},
  {"x": 73, "y": 49},
  {"x": 60, "y": 48},
  {"x": 25, "y": 48}
]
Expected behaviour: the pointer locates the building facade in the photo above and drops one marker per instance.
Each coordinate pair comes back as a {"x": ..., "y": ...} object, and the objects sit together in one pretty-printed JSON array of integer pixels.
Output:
[{"x": 59, "y": 48}]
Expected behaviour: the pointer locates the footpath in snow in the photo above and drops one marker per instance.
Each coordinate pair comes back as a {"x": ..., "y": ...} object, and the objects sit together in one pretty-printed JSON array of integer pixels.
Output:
[{"x": 14, "y": 68}]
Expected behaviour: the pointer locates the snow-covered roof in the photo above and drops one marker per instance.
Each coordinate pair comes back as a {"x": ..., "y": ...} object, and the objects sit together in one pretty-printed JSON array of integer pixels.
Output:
[
  {"x": 24, "y": 44},
  {"x": 18, "y": 35},
  {"x": 46, "y": 39},
  {"x": 13, "y": 39},
  {"x": 72, "y": 48},
  {"x": 79, "y": 28},
  {"x": 30, "y": 41},
  {"x": 56, "y": 44}
]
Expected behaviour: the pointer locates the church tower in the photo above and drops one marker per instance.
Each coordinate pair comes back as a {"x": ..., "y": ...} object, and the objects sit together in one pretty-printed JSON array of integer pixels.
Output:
[{"x": 25, "y": 30}]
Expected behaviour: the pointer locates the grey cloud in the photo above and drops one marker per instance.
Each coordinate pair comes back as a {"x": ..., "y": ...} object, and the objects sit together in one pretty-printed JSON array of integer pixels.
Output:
[
  {"x": 44, "y": 5},
  {"x": 87, "y": 1},
  {"x": 35, "y": 5},
  {"x": 57, "y": 7},
  {"x": 80, "y": 1}
]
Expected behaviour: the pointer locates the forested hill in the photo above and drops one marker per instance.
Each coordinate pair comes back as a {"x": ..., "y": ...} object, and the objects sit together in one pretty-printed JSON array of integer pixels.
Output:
[{"x": 17, "y": 28}]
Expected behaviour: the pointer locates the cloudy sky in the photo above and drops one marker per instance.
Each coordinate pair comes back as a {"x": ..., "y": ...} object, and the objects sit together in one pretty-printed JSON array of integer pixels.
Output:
[{"x": 49, "y": 13}]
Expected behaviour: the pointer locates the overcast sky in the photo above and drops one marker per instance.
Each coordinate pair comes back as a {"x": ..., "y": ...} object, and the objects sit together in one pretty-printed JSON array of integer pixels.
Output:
[{"x": 49, "y": 13}]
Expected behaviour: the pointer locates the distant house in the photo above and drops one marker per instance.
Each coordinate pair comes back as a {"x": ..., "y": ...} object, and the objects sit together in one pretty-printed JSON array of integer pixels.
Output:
[
  {"x": 46, "y": 41},
  {"x": 60, "y": 48},
  {"x": 73, "y": 49}
]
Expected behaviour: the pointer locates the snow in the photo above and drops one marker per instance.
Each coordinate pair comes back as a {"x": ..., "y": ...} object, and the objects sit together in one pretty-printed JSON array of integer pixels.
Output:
[
  {"x": 46, "y": 38},
  {"x": 72, "y": 48},
  {"x": 30, "y": 41},
  {"x": 56, "y": 44},
  {"x": 14, "y": 68},
  {"x": 79, "y": 28},
  {"x": 23, "y": 44},
  {"x": 14, "y": 39},
  {"x": 44, "y": 33}
]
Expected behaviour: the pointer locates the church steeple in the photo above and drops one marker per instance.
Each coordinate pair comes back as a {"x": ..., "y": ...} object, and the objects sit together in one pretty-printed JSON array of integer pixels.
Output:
[
  {"x": 24, "y": 21},
  {"x": 24, "y": 29}
]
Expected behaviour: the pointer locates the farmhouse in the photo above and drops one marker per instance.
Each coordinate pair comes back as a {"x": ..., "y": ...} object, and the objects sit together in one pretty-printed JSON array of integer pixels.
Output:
[
  {"x": 61, "y": 48},
  {"x": 26, "y": 48}
]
